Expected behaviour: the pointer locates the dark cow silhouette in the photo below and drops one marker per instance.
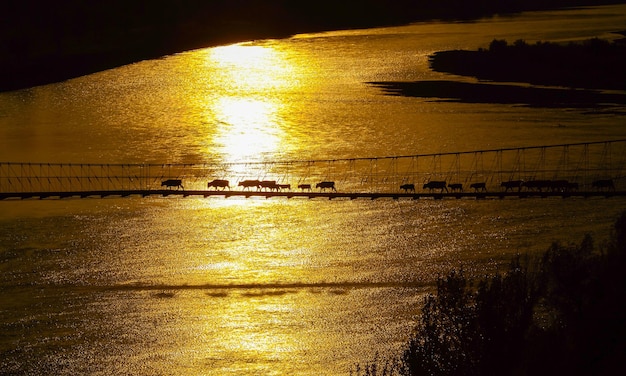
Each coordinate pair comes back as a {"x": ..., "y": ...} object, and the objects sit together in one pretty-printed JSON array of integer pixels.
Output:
[
  {"x": 441, "y": 185},
  {"x": 559, "y": 186},
  {"x": 268, "y": 185},
  {"x": 456, "y": 187},
  {"x": 326, "y": 184},
  {"x": 284, "y": 186},
  {"x": 304, "y": 186},
  {"x": 537, "y": 185},
  {"x": 249, "y": 184},
  {"x": 408, "y": 187},
  {"x": 173, "y": 183},
  {"x": 512, "y": 184},
  {"x": 218, "y": 183},
  {"x": 603, "y": 184},
  {"x": 479, "y": 186}
]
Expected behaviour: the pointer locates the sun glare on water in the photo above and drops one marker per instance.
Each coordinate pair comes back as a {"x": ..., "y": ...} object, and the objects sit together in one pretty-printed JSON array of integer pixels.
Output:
[
  {"x": 247, "y": 108},
  {"x": 254, "y": 68},
  {"x": 248, "y": 128}
]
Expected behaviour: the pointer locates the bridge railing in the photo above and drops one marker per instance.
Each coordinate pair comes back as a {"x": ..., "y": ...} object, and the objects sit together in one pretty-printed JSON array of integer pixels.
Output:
[{"x": 582, "y": 163}]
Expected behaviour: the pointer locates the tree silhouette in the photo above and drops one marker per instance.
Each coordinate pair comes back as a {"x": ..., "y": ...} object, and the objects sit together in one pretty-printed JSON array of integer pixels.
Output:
[{"x": 561, "y": 313}]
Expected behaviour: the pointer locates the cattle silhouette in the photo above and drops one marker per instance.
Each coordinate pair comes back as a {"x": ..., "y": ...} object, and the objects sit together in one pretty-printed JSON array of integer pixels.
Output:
[
  {"x": 218, "y": 183},
  {"x": 479, "y": 187},
  {"x": 173, "y": 183},
  {"x": 268, "y": 185},
  {"x": 512, "y": 184},
  {"x": 441, "y": 185},
  {"x": 603, "y": 184},
  {"x": 537, "y": 185},
  {"x": 249, "y": 184},
  {"x": 326, "y": 184}
]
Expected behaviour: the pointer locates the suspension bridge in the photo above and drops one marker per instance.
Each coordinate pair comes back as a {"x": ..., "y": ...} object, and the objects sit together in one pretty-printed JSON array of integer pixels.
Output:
[{"x": 564, "y": 170}]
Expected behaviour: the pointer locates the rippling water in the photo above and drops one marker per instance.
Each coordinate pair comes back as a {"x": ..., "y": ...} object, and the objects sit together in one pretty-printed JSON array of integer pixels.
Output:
[{"x": 256, "y": 286}]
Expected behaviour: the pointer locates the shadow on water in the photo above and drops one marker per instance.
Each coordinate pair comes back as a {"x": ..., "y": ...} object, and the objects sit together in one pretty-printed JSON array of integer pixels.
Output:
[
  {"x": 170, "y": 291},
  {"x": 258, "y": 289},
  {"x": 465, "y": 92}
]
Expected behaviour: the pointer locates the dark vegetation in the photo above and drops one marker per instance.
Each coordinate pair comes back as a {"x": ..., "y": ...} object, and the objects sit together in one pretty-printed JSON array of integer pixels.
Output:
[
  {"x": 559, "y": 314},
  {"x": 592, "y": 64},
  {"x": 48, "y": 41},
  {"x": 577, "y": 72}
]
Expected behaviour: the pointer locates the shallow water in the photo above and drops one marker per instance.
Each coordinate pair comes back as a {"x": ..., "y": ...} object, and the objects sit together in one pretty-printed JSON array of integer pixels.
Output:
[{"x": 266, "y": 286}]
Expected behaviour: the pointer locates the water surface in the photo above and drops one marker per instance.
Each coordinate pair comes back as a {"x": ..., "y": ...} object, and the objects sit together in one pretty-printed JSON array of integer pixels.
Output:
[{"x": 235, "y": 286}]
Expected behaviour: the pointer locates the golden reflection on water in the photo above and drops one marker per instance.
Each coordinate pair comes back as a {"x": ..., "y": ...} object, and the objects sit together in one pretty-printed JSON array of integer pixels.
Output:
[
  {"x": 254, "y": 68},
  {"x": 247, "y": 128},
  {"x": 247, "y": 111},
  {"x": 249, "y": 318},
  {"x": 251, "y": 329}
]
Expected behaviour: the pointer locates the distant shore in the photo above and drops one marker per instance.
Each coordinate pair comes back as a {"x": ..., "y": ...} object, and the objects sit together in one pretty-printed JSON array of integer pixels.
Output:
[
  {"x": 590, "y": 64},
  {"x": 576, "y": 75},
  {"x": 46, "y": 42}
]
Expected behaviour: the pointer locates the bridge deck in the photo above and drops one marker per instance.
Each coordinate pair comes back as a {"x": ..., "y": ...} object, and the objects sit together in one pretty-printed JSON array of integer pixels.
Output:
[
  {"x": 308, "y": 195},
  {"x": 566, "y": 170}
]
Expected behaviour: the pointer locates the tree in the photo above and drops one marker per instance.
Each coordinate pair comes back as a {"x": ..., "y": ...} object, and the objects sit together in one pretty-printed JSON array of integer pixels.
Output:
[{"x": 562, "y": 313}]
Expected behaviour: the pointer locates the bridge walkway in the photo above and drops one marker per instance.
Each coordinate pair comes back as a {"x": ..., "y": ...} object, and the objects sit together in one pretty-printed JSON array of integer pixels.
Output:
[
  {"x": 565, "y": 170},
  {"x": 305, "y": 195}
]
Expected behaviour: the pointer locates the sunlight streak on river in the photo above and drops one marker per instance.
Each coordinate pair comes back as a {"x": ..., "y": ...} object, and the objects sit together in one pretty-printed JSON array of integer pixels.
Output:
[
  {"x": 248, "y": 110},
  {"x": 247, "y": 128}
]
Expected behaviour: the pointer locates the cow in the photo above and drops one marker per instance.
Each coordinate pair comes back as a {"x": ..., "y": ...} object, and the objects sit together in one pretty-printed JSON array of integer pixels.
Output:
[
  {"x": 537, "y": 185},
  {"x": 217, "y": 183},
  {"x": 512, "y": 184},
  {"x": 284, "y": 186},
  {"x": 441, "y": 185},
  {"x": 408, "y": 187},
  {"x": 326, "y": 184},
  {"x": 304, "y": 186},
  {"x": 268, "y": 185},
  {"x": 559, "y": 186},
  {"x": 602, "y": 184},
  {"x": 456, "y": 187},
  {"x": 249, "y": 184},
  {"x": 173, "y": 183},
  {"x": 479, "y": 186}
]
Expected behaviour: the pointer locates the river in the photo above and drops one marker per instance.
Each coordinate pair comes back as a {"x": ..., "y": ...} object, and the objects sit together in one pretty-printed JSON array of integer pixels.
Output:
[{"x": 195, "y": 286}]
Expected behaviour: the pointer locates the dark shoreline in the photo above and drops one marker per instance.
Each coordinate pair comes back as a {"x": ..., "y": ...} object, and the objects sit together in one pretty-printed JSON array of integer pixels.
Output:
[
  {"x": 576, "y": 75},
  {"x": 590, "y": 64},
  {"x": 46, "y": 42}
]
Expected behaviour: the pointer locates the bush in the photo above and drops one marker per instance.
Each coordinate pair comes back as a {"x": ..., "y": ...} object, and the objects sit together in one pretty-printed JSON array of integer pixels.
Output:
[{"x": 562, "y": 313}]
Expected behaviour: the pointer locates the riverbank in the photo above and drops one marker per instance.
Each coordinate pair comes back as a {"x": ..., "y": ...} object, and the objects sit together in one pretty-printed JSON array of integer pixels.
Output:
[
  {"x": 51, "y": 41},
  {"x": 592, "y": 64},
  {"x": 576, "y": 75}
]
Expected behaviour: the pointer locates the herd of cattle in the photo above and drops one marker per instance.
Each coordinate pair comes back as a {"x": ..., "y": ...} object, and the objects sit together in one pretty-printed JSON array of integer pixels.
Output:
[
  {"x": 260, "y": 185},
  {"x": 511, "y": 185},
  {"x": 515, "y": 185}
]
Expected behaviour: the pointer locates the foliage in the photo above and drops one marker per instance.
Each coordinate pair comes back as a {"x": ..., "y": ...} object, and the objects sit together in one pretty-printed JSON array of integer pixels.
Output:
[
  {"x": 591, "y": 64},
  {"x": 562, "y": 313}
]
